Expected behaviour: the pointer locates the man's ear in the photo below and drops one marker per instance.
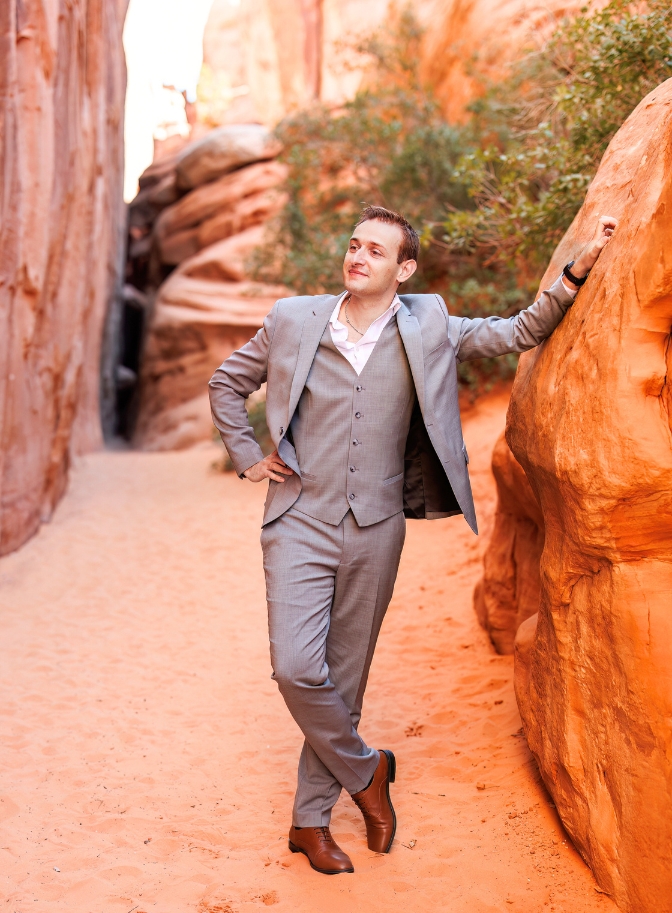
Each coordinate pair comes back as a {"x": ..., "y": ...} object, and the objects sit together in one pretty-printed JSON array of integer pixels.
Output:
[{"x": 406, "y": 270}]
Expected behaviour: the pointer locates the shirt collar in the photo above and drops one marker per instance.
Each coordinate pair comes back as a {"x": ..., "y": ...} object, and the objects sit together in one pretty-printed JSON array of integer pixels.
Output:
[{"x": 335, "y": 322}]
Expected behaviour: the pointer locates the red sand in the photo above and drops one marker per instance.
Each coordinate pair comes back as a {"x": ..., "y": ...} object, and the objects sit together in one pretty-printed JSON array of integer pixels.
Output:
[{"x": 147, "y": 761}]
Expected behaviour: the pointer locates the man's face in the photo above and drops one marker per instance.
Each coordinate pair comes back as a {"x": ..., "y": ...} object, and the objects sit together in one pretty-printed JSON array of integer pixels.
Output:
[{"x": 370, "y": 268}]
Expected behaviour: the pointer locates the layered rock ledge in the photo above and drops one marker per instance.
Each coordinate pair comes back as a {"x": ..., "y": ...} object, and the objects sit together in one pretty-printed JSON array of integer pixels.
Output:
[{"x": 193, "y": 227}]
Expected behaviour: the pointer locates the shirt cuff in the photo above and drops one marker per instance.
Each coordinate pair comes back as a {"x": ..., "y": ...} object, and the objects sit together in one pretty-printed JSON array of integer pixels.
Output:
[{"x": 570, "y": 291}]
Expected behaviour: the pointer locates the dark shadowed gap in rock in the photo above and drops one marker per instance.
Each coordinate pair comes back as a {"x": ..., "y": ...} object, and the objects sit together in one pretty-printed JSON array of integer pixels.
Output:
[{"x": 132, "y": 324}]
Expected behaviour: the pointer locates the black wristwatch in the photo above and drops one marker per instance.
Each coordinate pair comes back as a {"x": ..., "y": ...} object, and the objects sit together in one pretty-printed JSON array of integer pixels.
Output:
[{"x": 567, "y": 271}]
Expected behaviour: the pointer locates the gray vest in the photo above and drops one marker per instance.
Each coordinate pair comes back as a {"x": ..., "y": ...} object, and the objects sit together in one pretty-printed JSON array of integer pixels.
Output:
[{"x": 350, "y": 432}]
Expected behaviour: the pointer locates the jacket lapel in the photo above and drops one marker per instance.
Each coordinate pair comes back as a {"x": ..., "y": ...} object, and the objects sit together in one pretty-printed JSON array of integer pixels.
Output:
[
  {"x": 411, "y": 336},
  {"x": 311, "y": 333}
]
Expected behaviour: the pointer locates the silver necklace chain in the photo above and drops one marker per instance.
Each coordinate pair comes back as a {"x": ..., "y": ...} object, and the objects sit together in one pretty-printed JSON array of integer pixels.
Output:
[{"x": 348, "y": 319}]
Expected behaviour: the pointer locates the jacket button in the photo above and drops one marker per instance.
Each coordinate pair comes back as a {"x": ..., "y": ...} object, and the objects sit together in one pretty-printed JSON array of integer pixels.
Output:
[
  {"x": 352, "y": 469},
  {"x": 282, "y": 431},
  {"x": 358, "y": 414},
  {"x": 352, "y": 497}
]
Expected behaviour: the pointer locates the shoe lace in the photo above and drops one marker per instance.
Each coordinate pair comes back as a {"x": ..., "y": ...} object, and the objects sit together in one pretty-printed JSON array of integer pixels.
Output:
[
  {"x": 323, "y": 834},
  {"x": 364, "y": 808}
]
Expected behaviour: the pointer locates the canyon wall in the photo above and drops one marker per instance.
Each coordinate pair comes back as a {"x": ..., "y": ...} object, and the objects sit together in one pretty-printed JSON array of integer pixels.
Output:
[
  {"x": 62, "y": 79},
  {"x": 471, "y": 42},
  {"x": 272, "y": 57},
  {"x": 590, "y": 422}
]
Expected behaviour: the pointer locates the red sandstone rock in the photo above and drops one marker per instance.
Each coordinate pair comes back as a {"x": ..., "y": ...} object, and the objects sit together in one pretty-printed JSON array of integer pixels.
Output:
[
  {"x": 223, "y": 150},
  {"x": 62, "y": 74},
  {"x": 225, "y": 207},
  {"x": 226, "y": 260},
  {"x": 469, "y": 44},
  {"x": 289, "y": 54},
  {"x": 590, "y": 422},
  {"x": 205, "y": 308},
  {"x": 197, "y": 323},
  {"x": 509, "y": 591}
]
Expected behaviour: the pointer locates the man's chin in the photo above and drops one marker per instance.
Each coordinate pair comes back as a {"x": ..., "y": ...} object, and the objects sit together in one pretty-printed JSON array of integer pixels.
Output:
[{"x": 356, "y": 285}]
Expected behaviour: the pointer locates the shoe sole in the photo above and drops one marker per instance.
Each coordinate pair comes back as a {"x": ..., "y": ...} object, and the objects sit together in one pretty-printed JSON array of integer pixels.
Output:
[
  {"x": 297, "y": 849},
  {"x": 391, "y": 777}
]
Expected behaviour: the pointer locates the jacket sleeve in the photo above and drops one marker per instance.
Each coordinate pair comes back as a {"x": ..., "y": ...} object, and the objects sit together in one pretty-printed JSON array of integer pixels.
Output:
[
  {"x": 243, "y": 372},
  {"x": 485, "y": 337}
]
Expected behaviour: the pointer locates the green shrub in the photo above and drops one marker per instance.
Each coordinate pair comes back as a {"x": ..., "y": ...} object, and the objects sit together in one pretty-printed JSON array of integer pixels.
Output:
[{"x": 553, "y": 119}]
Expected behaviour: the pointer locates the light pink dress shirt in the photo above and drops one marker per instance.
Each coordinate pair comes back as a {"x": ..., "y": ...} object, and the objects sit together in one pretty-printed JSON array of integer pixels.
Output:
[{"x": 358, "y": 353}]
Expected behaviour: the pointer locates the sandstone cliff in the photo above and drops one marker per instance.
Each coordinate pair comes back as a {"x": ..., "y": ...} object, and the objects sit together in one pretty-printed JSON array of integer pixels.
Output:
[
  {"x": 268, "y": 58},
  {"x": 590, "y": 423},
  {"x": 469, "y": 42},
  {"x": 193, "y": 226},
  {"x": 62, "y": 74}
]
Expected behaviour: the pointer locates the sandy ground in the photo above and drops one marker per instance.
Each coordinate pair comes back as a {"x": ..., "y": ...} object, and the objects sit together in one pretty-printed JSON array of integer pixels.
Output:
[{"x": 147, "y": 761}]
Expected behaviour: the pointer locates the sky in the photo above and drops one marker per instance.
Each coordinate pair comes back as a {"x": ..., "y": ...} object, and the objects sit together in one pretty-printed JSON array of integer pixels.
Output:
[{"x": 163, "y": 41}]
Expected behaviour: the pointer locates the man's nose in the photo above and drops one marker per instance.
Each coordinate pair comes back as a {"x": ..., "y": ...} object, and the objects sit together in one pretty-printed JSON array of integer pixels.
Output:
[{"x": 359, "y": 257}]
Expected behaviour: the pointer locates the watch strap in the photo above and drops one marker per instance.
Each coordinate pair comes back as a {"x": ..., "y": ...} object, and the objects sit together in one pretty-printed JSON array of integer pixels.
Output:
[{"x": 567, "y": 271}]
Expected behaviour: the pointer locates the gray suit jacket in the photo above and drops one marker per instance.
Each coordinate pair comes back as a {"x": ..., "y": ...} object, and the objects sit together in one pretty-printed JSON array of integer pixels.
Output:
[{"x": 282, "y": 352}]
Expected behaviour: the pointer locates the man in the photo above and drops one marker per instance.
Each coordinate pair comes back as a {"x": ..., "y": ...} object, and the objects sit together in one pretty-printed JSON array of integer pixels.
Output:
[{"x": 362, "y": 405}]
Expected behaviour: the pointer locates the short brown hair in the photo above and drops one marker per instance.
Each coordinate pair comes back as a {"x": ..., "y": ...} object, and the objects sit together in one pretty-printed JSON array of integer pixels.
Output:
[{"x": 409, "y": 248}]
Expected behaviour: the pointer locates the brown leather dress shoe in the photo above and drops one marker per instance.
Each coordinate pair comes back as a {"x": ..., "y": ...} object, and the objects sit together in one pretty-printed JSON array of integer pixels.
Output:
[
  {"x": 374, "y": 803},
  {"x": 324, "y": 854}
]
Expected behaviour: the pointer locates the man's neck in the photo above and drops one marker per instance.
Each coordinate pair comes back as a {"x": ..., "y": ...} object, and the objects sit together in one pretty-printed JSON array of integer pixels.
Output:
[
  {"x": 369, "y": 308},
  {"x": 359, "y": 313}
]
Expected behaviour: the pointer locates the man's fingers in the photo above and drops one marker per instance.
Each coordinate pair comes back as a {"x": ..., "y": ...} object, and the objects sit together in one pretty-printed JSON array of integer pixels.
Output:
[
  {"x": 606, "y": 225},
  {"x": 279, "y": 466},
  {"x": 275, "y": 476},
  {"x": 275, "y": 462}
]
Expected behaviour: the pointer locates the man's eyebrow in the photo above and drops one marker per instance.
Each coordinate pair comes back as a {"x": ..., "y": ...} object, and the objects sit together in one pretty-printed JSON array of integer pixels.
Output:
[{"x": 373, "y": 243}]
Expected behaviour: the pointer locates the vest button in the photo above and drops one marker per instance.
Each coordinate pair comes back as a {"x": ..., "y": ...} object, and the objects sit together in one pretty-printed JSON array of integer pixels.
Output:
[
  {"x": 358, "y": 388},
  {"x": 358, "y": 414},
  {"x": 355, "y": 442},
  {"x": 352, "y": 469},
  {"x": 352, "y": 497}
]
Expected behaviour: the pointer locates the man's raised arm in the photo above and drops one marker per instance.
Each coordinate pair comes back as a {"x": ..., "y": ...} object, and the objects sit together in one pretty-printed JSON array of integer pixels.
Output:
[{"x": 485, "y": 337}]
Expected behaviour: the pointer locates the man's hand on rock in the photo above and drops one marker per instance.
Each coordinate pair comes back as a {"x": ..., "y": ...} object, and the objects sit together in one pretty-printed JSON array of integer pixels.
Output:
[
  {"x": 588, "y": 256},
  {"x": 271, "y": 467}
]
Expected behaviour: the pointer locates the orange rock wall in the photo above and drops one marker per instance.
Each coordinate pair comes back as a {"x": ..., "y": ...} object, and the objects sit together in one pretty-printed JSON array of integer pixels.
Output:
[
  {"x": 468, "y": 42},
  {"x": 62, "y": 79},
  {"x": 590, "y": 421}
]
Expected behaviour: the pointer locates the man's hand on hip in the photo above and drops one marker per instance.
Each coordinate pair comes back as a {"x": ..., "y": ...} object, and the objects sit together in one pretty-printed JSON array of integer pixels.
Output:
[
  {"x": 588, "y": 256},
  {"x": 271, "y": 467}
]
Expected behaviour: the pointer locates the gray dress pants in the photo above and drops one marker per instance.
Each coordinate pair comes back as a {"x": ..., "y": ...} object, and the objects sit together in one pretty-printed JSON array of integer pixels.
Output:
[{"x": 328, "y": 588}]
